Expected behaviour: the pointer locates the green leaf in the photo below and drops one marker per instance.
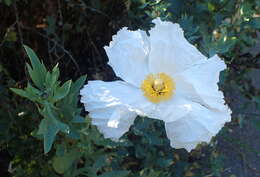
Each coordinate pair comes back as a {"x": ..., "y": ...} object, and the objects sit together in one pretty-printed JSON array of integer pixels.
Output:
[
  {"x": 29, "y": 92},
  {"x": 32, "y": 90},
  {"x": 60, "y": 125},
  {"x": 76, "y": 86},
  {"x": 38, "y": 71},
  {"x": 115, "y": 173},
  {"x": 72, "y": 98},
  {"x": 62, "y": 91},
  {"x": 50, "y": 126},
  {"x": 20, "y": 92},
  {"x": 34, "y": 76},
  {"x": 48, "y": 81},
  {"x": 62, "y": 163},
  {"x": 73, "y": 133},
  {"x": 55, "y": 73},
  {"x": 51, "y": 79},
  {"x": 78, "y": 119},
  {"x": 49, "y": 131}
]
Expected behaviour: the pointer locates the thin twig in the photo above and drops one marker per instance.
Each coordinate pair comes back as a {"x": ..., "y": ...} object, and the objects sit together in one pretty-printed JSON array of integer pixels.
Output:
[
  {"x": 56, "y": 44},
  {"x": 93, "y": 44},
  {"x": 60, "y": 23},
  {"x": 18, "y": 23},
  {"x": 94, "y": 9}
]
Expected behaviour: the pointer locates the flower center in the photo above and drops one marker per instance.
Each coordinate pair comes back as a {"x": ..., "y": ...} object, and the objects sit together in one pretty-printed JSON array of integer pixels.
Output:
[
  {"x": 158, "y": 84},
  {"x": 158, "y": 87}
]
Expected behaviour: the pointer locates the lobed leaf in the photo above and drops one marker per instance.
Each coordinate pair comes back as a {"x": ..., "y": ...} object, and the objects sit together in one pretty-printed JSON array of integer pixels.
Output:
[
  {"x": 38, "y": 71},
  {"x": 62, "y": 91},
  {"x": 49, "y": 131}
]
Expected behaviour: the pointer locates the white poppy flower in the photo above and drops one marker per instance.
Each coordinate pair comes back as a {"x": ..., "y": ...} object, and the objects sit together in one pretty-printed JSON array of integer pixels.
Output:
[{"x": 164, "y": 77}]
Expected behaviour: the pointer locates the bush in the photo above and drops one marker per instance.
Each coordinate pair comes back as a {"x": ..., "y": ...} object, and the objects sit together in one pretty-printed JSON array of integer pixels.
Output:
[{"x": 49, "y": 136}]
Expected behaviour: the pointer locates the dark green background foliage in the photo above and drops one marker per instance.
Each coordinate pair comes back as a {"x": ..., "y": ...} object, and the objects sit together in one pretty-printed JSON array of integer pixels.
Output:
[{"x": 45, "y": 135}]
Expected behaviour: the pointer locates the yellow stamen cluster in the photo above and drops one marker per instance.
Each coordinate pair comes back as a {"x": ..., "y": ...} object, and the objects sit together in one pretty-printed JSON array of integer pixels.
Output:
[{"x": 158, "y": 87}]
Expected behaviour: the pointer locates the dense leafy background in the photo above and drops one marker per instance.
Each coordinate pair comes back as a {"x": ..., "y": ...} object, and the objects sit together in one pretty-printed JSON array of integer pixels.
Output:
[{"x": 73, "y": 33}]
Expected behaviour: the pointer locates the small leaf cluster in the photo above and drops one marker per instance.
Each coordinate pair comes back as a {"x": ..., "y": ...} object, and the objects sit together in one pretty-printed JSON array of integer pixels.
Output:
[{"x": 51, "y": 98}]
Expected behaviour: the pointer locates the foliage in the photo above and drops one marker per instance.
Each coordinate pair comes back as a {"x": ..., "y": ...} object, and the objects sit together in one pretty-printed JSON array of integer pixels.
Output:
[
  {"x": 52, "y": 99},
  {"x": 74, "y": 33}
]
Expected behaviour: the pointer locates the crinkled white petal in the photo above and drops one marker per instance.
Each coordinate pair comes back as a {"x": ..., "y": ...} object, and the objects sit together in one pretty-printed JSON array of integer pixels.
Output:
[
  {"x": 100, "y": 94},
  {"x": 128, "y": 55},
  {"x": 170, "y": 51},
  {"x": 114, "y": 121},
  {"x": 110, "y": 107},
  {"x": 199, "y": 83},
  {"x": 171, "y": 110},
  {"x": 199, "y": 125}
]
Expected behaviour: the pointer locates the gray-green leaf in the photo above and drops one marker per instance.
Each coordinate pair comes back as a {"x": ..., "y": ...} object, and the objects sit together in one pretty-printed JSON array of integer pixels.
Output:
[
  {"x": 62, "y": 91},
  {"x": 62, "y": 163},
  {"x": 37, "y": 71},
  {"x": 49, "y": 131}
]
